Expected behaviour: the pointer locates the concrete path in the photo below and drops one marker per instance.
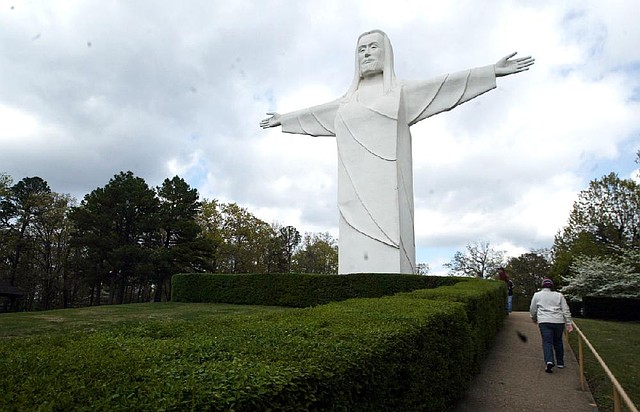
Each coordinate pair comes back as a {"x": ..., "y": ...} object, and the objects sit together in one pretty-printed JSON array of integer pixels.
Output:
[{"x": 513, "y": 379}]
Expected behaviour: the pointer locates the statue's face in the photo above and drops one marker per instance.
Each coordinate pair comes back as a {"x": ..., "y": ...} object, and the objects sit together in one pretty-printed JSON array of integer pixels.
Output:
[{"x": 371, "y": 54}]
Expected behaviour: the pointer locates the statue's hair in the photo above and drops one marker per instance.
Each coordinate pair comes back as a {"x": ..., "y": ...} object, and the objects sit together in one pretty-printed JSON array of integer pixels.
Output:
[{"x": 388, "y": 74}]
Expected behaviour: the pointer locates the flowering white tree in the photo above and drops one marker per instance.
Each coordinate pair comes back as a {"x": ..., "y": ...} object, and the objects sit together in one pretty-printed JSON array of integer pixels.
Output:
[
  {"x": 605, "y": 276},
  {"x": 604, "y": 221}
]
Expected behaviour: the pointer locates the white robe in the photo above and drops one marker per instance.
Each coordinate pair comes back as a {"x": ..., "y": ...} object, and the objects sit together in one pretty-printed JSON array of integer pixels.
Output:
[{"x": 375, "y": 171}]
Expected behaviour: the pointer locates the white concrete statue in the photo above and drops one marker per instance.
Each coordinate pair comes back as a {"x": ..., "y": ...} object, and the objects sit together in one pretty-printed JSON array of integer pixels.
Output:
[{"x": 375, "y": 173}]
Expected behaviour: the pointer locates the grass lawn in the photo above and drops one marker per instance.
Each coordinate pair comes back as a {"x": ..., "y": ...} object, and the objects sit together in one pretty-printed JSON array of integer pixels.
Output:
[
  {"x": 96, "y": 317},
  {"x": 98, "y": 358},
  {"x": 618, "y": 344}
]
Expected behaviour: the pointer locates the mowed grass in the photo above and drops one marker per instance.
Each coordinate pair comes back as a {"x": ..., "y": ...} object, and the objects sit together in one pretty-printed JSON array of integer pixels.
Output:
[
  {"x": 99, "y": 317},
  {"x": 618, "y": 344},
  {"x": 98, "y": 358}
]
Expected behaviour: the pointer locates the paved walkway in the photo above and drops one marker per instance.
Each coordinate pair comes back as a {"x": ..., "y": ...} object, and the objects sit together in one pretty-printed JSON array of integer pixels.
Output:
[{"x": 513, "y": 379}]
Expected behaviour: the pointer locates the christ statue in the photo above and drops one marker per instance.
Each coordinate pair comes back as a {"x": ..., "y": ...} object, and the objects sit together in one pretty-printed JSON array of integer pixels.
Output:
[{"x": 375, "y": 172}]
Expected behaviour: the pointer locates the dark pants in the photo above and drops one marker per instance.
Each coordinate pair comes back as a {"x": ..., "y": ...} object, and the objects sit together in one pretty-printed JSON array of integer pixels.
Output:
[{"x": 552, "y": 341}]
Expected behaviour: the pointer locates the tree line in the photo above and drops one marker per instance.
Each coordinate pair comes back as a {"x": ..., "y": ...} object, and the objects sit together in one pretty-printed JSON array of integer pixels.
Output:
[{"x": 124, "y": 241}]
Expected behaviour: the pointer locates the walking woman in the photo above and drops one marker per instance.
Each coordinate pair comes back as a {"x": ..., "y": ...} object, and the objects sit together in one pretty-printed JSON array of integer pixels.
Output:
[{"x": 551, "y": 311}]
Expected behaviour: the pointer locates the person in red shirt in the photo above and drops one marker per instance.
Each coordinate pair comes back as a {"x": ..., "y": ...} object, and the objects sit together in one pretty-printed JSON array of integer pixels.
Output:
[{"x": 502, "y": 275}]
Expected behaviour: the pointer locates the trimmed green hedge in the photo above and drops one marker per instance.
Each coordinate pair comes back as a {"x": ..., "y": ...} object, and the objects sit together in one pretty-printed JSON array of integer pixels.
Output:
[
  {"x": 611, "y": 308},
  {"x": 485, "y": 315},
  {"x": 412, "y": 351},
  {"x": 294, "y": 289}
]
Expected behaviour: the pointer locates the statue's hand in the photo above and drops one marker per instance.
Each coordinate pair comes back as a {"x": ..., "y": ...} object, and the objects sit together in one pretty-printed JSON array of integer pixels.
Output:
[
  {"x": 272, "y": 121},
  {"x": 505, "y": 66}
]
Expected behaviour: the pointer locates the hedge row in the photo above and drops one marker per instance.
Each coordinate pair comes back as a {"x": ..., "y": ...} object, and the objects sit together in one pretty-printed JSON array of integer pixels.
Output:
[
  {"x": 608, "y": 308},
  {"x": 484, "y": 312},
  {"x": 295, "y": 290},
  {"x": 412, "y": 351}
]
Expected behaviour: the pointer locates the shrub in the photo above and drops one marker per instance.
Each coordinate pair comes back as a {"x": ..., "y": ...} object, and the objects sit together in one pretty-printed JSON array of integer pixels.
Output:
[
  {"x": 411, "y": 351},
  {"x": 294, "y": 290},
  {"x": 611, "y": 308},
  {"x": 484, "y": 306}
]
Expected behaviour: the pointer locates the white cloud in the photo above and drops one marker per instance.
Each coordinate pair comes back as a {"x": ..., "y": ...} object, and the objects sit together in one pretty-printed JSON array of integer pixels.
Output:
[
  {"x": 93, "y": 88},
  {"x": 16, "y": 125}
]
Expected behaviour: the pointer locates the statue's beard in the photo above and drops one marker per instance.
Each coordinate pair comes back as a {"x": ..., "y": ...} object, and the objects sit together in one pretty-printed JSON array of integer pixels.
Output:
[{"x": 373, "y": 67}]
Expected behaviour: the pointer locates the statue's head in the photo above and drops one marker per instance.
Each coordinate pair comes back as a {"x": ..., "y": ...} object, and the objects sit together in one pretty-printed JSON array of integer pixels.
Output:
[
  {"x": 374, "y": 54},
  {"x": 370, "y": 52}
]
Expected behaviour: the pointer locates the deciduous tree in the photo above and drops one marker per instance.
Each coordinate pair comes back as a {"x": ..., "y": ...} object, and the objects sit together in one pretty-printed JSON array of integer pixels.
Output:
[
  {"x": 422, "y": 269},
  {"x": 604, "y": 219},
  {"x": 479, "y": 260},
  {"x": 317, "y": 254},
  {"x": 35, "y": 246},
  {"x": 26, "y": 200},
  {"x": 605, "y": 276},
  {"x": 526, "y": 271}
]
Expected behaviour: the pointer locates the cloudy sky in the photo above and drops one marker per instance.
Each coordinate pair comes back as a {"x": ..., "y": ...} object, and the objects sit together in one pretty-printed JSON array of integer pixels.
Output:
[{"x": 164, "y": 88}]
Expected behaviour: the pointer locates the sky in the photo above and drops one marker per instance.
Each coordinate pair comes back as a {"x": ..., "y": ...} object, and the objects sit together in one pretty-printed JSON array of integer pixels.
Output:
[{"x": 162, "y": 88}]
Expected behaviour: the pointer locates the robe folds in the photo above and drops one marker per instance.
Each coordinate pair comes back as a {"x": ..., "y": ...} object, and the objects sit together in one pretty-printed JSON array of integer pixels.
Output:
[{"x": 375, "y": 170}]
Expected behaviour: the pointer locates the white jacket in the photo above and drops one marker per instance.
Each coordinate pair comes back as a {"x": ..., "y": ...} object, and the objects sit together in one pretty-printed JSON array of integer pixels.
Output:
[{"x": 548, "y": 306}]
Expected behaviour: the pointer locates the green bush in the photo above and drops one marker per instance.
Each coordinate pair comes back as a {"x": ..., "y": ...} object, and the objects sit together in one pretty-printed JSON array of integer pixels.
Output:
[
  {"x": 294, "y": 290},
  {"x": 611, "y": 308},
  {"x": 411, "y": 351},
  {"x": 484, "y": 305}
]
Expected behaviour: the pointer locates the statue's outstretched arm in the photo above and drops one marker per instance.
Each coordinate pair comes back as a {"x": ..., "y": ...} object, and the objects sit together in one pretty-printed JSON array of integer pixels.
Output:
[
  {"x": 313, "y": 121},
  {"x": 506, "y": 66},
  {"x": 272, "y": 121}
]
